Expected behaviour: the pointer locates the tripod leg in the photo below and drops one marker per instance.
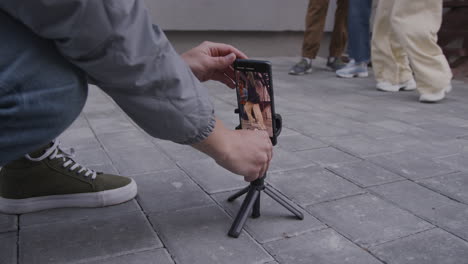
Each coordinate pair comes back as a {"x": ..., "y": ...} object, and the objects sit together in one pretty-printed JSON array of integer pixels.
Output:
[
  {"x": 256, "y": 207},
  {"x": 241, "y": 217},
  {"x": 238, "y": 194},
  {"x": 285, "y": 203}
]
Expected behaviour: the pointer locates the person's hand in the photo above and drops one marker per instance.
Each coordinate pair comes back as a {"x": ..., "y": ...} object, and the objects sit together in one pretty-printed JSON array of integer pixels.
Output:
[
  {"x": 212, "y": 61},
  {"x": 244, "y": 152},
  {"x": 249, "y": 153}
]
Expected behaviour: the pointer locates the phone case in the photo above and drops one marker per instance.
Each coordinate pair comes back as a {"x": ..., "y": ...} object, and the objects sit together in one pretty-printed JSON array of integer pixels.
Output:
[{"x": 255, "y": 98}]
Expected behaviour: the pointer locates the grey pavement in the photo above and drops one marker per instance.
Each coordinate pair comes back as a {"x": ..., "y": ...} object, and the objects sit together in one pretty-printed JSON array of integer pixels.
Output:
[{"x": 380, "y": 178}]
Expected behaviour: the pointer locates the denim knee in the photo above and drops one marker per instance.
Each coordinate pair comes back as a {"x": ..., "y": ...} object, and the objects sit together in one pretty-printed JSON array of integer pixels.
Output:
[{"x": 41, "y": 93}]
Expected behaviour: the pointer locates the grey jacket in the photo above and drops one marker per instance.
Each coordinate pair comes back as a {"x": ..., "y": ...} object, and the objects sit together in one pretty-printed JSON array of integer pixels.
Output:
[{"x": 115, "y": 43}]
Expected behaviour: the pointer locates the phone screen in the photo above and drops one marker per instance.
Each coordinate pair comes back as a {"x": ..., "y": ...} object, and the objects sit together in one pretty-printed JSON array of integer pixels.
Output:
[{"x": 254, "y": 93}]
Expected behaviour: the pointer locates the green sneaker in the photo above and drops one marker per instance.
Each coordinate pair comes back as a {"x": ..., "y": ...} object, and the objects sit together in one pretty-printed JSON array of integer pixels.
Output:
[
  {"x": 50, "y": 178},
  {"x": 335, "y": 63}
]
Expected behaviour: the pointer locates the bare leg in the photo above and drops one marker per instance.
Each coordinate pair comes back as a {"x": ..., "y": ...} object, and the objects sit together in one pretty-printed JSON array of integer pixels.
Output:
[
  {"x": 248, "y": 107},
  {"x": 259, "y": 116}
]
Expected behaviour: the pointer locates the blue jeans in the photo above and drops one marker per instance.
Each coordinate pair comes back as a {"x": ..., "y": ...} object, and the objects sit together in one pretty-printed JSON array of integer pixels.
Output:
[
  {"x": 359, "y": 13},
  {"x": 41, "y": 93}
]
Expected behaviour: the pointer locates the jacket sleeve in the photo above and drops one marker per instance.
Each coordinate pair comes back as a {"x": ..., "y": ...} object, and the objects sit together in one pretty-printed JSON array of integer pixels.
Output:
[{"x": 116, "y": 45}]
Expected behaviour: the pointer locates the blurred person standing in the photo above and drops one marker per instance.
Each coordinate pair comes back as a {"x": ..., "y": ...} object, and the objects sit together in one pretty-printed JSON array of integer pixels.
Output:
[
  {"x": 359, "y": 13},
  {"x": 315, "y": 23},
  {"x": 405, "y": 33}
]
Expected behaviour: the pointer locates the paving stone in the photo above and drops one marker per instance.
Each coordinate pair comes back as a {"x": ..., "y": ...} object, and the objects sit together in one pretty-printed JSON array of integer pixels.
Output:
[
  {"x": 435, "y": 149},
  {"x": 411, "y": 165},
  {"x": 89, "y": 157},
  {"x": 284, "y": 160},
  {"x": 99, "y": 102},
  {"x": 407, "y": 129},
  {"x": 453, "y": 185},
  {"x": 79, "y": 122},
  {"x": 434, "y": 246},
  {"x": 449, "y": 120},
  {"x": 156, "y": 256},
  {"x": 72, "y": 214},
  {"x": 457, "y": 162},
  {"x": 320, "y": 247},
  {"x": 105, "y": 168},
  {"x": 8, "y": 223},
  {"x": 414, "y": 118},
  {"x": 132, "y": 161},
  {"x": 99, "y": 106},
  {"x": 287, "y": 132},
  {"x": 169, "y": 191},
  {"x": 364, "y": 173},
  {"x": 368, "y": 220},
  {"x": 109, "y": 123},
  {"x": 8, "y": 248},
  {"x": 125, "y": 139},
  {"x": 79, "y": 138},
  {"x": 86, "y": 240},
  {"x": 199, "y": 236},
  {"x": 364, "y": 146},
  {"x": 180, "y": 153},
  {"x": 445, "y": 129},
  {"x": 312, "y": 185},
  {"x": 275, "y": 221},
  {"x": 376, "y": 132},
  {"x": 427, "y": 204},
  {"x": 299, "y": 142},
  {"x": 326, "y": 156},
  {"x": 283, "y": 106},
  {"x": 306, "y": 126},
  {"x": 212, "y": 177}
]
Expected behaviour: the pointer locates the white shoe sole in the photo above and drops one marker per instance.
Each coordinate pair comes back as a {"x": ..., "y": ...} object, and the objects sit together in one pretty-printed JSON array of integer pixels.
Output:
[
  {"x": 97, "y": 199},
  {"x": 387, "y": 87},
  {"x": 360, "y": 75},
  {"x": 434, "y": 98}
]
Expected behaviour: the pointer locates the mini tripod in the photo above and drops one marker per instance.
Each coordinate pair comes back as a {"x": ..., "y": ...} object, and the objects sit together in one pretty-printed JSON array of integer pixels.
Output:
[{"x": 252, "y": 199}]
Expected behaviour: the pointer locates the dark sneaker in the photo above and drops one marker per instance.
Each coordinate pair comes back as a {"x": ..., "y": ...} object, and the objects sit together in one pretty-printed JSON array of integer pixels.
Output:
[
  {"x": 335, "y": 63},
  {"x": 50, "y": 178},
  {"x": 301, "y": 68}
]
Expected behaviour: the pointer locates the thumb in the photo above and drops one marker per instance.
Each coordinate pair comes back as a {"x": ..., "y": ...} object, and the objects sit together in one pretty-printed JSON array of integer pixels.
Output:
[{"x": 226, "y": 61}]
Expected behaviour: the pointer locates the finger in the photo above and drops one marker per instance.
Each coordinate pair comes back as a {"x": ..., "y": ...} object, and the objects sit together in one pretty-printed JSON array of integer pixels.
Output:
[
  {"x": 229, "y": 71},
  {"x": 221, "y": 63},
  {"x": 224, "y": 79},
  {"x": 250, "y": 178},
  {"x": 270, "y": 157},
  {"x": 221, "y": 49},
  {"x": 264, "y": 167}
]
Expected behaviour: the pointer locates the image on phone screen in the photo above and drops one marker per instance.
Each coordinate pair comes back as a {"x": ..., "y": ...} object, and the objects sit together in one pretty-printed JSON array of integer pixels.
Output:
[{"x": 254, "y": 95}]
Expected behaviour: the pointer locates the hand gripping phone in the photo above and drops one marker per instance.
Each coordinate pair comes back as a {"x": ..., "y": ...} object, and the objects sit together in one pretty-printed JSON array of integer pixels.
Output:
[{"x": 254, "y": 88}]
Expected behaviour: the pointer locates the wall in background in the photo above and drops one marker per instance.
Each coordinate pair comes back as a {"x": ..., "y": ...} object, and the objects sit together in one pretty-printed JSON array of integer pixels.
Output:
[{"x": 242, "y": 15}]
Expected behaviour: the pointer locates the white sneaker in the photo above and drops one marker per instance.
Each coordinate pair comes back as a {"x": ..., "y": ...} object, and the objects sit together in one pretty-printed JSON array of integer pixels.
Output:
[
  {"x": 388, "y": 87},
  {"x": 435, "y": 97},
  {"x": 409, "y": 85}
]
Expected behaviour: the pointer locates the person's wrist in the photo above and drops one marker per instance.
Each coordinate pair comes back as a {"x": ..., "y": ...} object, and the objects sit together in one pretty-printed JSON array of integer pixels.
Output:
[
  {"x": 223, "y": 144},
  {"x": 216, "y": 145}
]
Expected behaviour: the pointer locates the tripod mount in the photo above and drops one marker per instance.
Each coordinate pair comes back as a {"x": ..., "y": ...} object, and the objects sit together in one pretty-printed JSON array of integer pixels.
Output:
[{"x": 251, "y": 202}]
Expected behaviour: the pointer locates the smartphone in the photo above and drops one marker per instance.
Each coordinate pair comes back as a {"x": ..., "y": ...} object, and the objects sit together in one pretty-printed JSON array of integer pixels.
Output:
[{"x": 254, "y": 88}]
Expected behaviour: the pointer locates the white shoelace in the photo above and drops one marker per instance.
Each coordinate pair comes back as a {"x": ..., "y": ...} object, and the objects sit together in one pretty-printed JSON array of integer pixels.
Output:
[{"x": 53, "y": 153}]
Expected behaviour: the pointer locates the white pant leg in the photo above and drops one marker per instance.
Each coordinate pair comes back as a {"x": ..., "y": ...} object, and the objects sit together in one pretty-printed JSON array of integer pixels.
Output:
[
  {"x": 389, "y": 60},
  {"x": 416, "y": 24}
]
